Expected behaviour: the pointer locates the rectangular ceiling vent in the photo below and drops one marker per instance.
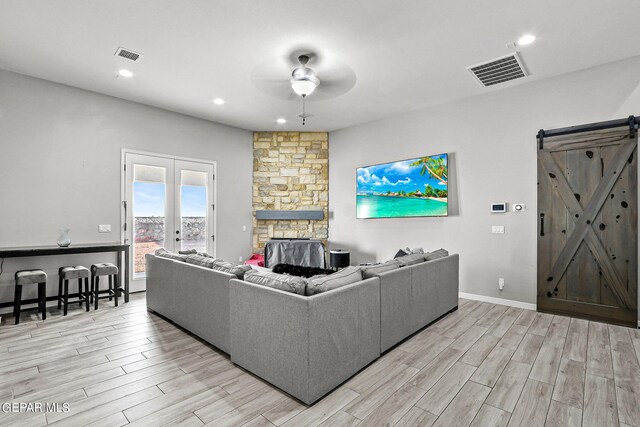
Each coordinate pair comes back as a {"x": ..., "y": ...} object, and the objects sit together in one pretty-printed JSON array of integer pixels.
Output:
[
  {"x": 499, "y": 70},
  {"x": 128, "y": 54}
]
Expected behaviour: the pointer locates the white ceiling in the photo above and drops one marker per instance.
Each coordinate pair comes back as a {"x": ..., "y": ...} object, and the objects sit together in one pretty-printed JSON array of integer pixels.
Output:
[{"x": 405, "y": 54}]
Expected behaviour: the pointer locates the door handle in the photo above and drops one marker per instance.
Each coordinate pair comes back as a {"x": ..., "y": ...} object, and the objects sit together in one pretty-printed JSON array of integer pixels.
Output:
[{"x": 542, "y": 224}]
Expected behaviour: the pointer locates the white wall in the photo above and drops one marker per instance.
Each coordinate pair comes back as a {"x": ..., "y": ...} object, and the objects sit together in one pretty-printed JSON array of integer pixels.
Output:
[
  {"x": 492, "y": 146},
  {"x": 60, "y": 153}
]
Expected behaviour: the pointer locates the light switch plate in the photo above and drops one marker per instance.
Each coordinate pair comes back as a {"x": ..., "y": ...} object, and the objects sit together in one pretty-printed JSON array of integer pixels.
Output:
[
  {"x": 104, "y": 228},
  {"x": 497, "y": 229}
]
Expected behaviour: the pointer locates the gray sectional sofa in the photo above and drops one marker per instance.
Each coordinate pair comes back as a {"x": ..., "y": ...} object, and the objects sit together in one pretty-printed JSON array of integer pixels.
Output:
[
  {"x": 411, "y": 297},
  {"x": 305, "y": 345},
  {"x": 194, "y": 297}
]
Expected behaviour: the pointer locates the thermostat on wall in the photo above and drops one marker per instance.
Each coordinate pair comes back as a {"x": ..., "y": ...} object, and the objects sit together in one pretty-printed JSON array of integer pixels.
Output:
[{"x": 498, "y": 207}]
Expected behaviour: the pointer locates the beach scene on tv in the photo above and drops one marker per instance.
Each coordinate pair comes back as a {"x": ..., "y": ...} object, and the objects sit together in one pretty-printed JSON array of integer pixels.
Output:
[{"x": 407, "y": 188}]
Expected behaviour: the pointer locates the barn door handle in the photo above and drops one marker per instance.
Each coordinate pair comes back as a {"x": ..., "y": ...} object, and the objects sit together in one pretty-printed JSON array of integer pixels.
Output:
[{"x": 542, "y": 224}]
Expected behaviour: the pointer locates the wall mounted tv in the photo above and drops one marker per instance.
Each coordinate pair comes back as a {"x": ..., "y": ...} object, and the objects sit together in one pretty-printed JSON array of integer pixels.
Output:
[{"x": 407, "y": 188}]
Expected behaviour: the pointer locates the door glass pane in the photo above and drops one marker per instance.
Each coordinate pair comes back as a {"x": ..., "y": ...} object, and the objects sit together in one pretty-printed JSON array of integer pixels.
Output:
[
  {"x": 149, "y": 207},
  {"x": 193, "y": 210}
]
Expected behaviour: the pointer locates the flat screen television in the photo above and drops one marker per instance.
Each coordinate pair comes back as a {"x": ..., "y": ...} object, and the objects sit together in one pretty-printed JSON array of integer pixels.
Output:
[{"x": 407, "y": 188}]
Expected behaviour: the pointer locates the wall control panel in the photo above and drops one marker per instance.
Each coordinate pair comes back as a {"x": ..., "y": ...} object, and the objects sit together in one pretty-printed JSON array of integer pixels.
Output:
[{"x": 498, "y": 207}]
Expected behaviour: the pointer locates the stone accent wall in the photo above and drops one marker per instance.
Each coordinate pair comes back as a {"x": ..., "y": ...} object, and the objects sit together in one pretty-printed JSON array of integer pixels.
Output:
[{"x": 290, "y": 172}]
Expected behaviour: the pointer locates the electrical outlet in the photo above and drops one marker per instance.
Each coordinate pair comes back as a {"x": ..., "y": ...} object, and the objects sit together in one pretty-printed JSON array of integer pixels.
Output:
[
  {"x": 500, "y": 283},
  {"x": 240, "y": 259},
  {"x": 244, "y": 228},
  {"x": 497, "y": 229},
  {"x": 104, "y": 228}
]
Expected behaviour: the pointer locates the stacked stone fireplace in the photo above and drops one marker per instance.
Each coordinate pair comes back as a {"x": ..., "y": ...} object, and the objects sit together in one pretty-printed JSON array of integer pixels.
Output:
[{"x": 290, "y": 172}]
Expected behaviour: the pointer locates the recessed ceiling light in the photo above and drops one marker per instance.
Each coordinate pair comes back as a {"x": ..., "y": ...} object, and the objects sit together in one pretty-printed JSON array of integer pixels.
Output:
[
  {"x": 125, "y": 73},
  {"x": 281, "y": 121},
  {"x": 526, "y": 39},
  {"x": 218, "y": 101}
]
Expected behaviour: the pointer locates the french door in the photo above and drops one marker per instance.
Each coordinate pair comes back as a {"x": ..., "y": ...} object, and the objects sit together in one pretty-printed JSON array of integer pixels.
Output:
[{"x": 168, "y": 202}]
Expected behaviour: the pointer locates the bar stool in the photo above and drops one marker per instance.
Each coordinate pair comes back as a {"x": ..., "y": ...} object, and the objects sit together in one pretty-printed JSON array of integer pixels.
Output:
[
  {"x": 29, "y": 277},
  {"x": 104, "y": 269},
  {"x": 71, "y": 273}
]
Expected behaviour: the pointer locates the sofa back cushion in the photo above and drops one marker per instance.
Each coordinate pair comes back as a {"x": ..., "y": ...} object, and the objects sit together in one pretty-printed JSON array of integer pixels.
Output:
[
  {"x": 440, "y": 253},
  {"x": 346, "y": 276},
  {"x": 410, "y": 259},
  {"x": 162, "y": 252},
  {"x": 282, "y": 282},
  {"x": 207, "y": 261},
  {"x": 201, "y": 260},
  {"x": 374, "y": 270},
  {"x": 239, "y": 270}
]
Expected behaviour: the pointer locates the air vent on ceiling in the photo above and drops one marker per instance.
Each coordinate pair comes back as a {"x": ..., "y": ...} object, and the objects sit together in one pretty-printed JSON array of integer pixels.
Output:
[
  {"x": 128, "y": 54},
  {"x": 499, "y": 70}
]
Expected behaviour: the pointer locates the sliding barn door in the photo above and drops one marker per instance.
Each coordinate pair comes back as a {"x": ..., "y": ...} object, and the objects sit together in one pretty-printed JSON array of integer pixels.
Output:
[{"x": 587, "y": 225}]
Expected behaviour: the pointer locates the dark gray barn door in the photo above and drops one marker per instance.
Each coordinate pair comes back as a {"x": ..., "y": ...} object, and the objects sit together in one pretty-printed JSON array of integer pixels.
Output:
[{"x": 587, "y": 225}]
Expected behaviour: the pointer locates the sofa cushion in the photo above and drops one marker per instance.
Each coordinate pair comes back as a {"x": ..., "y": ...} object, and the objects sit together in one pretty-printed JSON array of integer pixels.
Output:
[
  {"x": 282, "y": 282},
  {"x": 440, "y": 253},
  {"x": 346, "y": 276},
  {"x": 201, "y": 260},
  {"x": 238, "y": 270},
  {"x": 410, "y": 259},
  {"x": 204, "y": 254},
  {"x": 188, "y": 252},
  {"x": 373, "y": 270},
  {"x": 162, "y": 252}
]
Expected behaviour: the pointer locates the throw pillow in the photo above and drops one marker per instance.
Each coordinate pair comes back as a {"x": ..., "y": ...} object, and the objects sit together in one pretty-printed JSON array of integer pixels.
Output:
[
  {"x": 162, "y": 252},
  {"x": 410, "y": 259},
  {"x": 400, "y": 253},
  {"x": 239, "y": 270},
  {"x": 440, "y": 253},
  {"x": 201, "y": 261},
  {"x": 376, "y": 269},
  {"x": 414, "y": 251},
  {"x": 346, "y": 276},
  {"x": 295, "y": 285},
  {"x": 188, "y": 252}
]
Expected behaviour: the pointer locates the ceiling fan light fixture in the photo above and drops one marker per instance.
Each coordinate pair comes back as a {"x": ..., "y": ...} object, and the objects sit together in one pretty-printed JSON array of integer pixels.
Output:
[
  {"x": 304, "y": 80},
  {"x": 304, "y": 87}
]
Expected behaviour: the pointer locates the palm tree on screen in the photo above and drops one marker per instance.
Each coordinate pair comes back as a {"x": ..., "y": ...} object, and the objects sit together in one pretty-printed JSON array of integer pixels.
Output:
[{"x": 436, "y": 167}]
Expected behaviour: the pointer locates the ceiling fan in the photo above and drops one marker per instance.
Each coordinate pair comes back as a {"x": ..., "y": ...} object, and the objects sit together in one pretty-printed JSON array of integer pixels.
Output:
[{"x": 310, "y": 77}]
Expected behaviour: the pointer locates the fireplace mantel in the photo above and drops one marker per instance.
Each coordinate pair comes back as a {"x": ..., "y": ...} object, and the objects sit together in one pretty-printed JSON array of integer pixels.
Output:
[{"x": 290, "y": 215}]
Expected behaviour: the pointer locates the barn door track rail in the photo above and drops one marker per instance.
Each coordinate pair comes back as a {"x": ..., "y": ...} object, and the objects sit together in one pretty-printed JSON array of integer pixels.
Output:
[{"x": 632, "y": 121}]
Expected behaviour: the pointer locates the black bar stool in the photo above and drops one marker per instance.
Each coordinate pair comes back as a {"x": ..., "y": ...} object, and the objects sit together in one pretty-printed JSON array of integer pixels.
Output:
[
  {"x": 30, "y": 277},
  {"x": 71, "y": 273},
  {"x": 104, "y": 269}
]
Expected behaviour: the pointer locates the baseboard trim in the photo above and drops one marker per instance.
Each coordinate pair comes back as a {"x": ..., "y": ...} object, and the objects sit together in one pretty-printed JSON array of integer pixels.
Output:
[{"x": 501, "y": 301}]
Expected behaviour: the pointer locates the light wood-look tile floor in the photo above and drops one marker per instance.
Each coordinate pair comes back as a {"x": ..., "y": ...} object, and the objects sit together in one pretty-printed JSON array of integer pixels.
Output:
[{"x": 483, "y": 365}]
